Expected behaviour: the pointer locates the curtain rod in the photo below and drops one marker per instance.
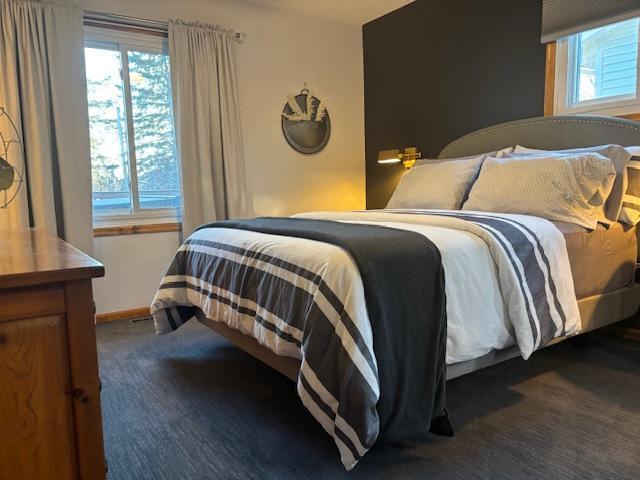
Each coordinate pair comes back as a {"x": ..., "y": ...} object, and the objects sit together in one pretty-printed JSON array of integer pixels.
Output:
[{"x": 155, "y": 26}]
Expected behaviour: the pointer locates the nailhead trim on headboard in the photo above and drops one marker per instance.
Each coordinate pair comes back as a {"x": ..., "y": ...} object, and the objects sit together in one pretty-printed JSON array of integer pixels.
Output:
[{"x": 622, "y": 123}]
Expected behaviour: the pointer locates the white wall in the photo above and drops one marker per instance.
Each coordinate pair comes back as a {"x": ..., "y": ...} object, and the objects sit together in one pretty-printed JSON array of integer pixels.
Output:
[
  {"x": 134, "y": 265},
  {"x": 282, "y": 50}
]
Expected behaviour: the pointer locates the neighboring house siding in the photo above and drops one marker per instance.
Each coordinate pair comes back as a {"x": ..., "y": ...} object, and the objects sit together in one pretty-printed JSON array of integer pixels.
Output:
[{"x": 609, "y": 65}]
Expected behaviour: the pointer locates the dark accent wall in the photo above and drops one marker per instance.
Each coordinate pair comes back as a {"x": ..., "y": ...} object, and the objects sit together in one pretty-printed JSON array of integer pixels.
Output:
[{"x": 435, "y": 70}]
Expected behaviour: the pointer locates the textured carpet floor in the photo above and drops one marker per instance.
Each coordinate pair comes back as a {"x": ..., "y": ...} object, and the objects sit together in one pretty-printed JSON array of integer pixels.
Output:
[{"x": 190, "y": 406}]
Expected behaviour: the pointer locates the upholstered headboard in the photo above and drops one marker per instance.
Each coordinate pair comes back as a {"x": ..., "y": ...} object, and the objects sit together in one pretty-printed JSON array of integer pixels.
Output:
[{"x": 547, "y": 133}]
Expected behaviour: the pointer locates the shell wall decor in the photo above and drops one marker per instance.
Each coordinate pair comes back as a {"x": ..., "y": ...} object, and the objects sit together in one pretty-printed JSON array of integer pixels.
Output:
[{"x": 305, "y": 122}]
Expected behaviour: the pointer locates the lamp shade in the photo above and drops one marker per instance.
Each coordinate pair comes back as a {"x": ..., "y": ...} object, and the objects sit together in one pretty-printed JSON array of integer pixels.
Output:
[{"x": 389, "y": 156}]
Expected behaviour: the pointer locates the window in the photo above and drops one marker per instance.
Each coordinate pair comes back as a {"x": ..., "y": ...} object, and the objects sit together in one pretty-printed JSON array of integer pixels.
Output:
[
  {"x": 597, "y": 70},
  {"x": 134, "y": 165}
]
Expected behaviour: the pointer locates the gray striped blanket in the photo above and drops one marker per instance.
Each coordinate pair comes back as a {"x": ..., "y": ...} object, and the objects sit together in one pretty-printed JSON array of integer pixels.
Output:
[{"x": 274, "y": 307}]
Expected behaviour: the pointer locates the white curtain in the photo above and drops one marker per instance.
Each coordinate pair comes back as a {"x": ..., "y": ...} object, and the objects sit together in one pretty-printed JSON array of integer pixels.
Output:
[
  {"x": 43, "y": 89},
  {"x": 207, "y": 115}
]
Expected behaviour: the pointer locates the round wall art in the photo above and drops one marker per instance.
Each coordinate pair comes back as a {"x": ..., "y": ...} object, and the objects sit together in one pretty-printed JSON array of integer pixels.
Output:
[{"x": 305, "y": 122}]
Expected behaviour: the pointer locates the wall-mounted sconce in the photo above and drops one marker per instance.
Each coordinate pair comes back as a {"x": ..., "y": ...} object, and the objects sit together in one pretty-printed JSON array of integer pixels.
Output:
[{"x": 408, "y": 157}]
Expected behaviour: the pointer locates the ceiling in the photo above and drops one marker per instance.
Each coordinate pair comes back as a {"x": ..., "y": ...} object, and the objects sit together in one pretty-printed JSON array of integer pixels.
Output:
[{"x": 357, "y": 12}]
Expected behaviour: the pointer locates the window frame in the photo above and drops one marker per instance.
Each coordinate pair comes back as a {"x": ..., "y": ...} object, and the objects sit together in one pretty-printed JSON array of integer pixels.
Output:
[
  {"x": 565, "y": 83},
  {"x": 124, "y": 41}
]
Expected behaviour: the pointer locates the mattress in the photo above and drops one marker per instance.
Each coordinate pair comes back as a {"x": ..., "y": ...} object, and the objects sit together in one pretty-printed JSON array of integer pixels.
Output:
[{"x": 601, "y": 260}]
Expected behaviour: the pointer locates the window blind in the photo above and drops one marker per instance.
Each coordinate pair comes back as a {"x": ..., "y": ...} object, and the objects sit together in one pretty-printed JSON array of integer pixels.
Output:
[{"x": 561, "y": 18}]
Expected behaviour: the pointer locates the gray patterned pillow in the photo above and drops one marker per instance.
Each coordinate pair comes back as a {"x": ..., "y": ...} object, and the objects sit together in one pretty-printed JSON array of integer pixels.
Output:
[
  {"x": 436, "y": 184},
  {"x": 566, "y": 188},
  {"x": 620, "y": 158}
]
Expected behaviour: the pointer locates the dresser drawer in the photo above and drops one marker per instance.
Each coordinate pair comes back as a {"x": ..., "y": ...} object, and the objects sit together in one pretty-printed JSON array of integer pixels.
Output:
[{"x": 30, "y": 302}]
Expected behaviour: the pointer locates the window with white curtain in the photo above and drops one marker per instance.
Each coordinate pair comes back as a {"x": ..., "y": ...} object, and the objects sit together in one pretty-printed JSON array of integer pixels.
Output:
[
  {"x": 134, "y": 166},
  {"x": 597, "y": 71}
]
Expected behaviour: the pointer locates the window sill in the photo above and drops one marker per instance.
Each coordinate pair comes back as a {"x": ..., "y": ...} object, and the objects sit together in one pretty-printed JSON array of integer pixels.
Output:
[
  {"x": 136, "y": 229},
  {"x": 613, "y": 110}
]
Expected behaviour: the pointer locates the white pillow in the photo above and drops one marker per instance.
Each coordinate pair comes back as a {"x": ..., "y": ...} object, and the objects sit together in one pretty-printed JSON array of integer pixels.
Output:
[
  {"x": 630, "y": 213},
  {"x": 634, "y": 150},
  {"x": 631, "y": 201},
  {"x": 440, "y": 184},
  {"x": 566, "y": 188}
]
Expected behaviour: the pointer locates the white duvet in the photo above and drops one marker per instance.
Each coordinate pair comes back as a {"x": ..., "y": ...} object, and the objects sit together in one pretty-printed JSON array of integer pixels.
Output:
[{"x": 478, "y": 319}]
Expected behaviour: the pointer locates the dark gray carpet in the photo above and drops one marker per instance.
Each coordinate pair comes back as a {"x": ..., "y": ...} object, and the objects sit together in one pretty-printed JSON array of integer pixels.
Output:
[{"x": 190, "y": 406}]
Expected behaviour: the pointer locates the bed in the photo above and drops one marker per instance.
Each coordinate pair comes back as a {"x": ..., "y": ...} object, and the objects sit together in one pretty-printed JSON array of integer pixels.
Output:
[
  {"x": 597, "y": 267},
  {"x": 603, "y": 263}
]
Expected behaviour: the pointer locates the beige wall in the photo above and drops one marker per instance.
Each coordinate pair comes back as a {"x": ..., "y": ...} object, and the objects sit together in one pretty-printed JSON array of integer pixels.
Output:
[
  {"x": 282, "y": 50},
  {"x": 134, "y": 265}
]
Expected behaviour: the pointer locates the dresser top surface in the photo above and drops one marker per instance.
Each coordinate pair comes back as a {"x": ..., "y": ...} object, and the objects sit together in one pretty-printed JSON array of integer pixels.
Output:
[{"x": 32, "y": 257}]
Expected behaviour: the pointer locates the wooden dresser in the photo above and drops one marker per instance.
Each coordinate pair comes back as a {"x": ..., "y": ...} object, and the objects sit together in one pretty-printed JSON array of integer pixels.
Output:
[{"x": 50, "y": 420}]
